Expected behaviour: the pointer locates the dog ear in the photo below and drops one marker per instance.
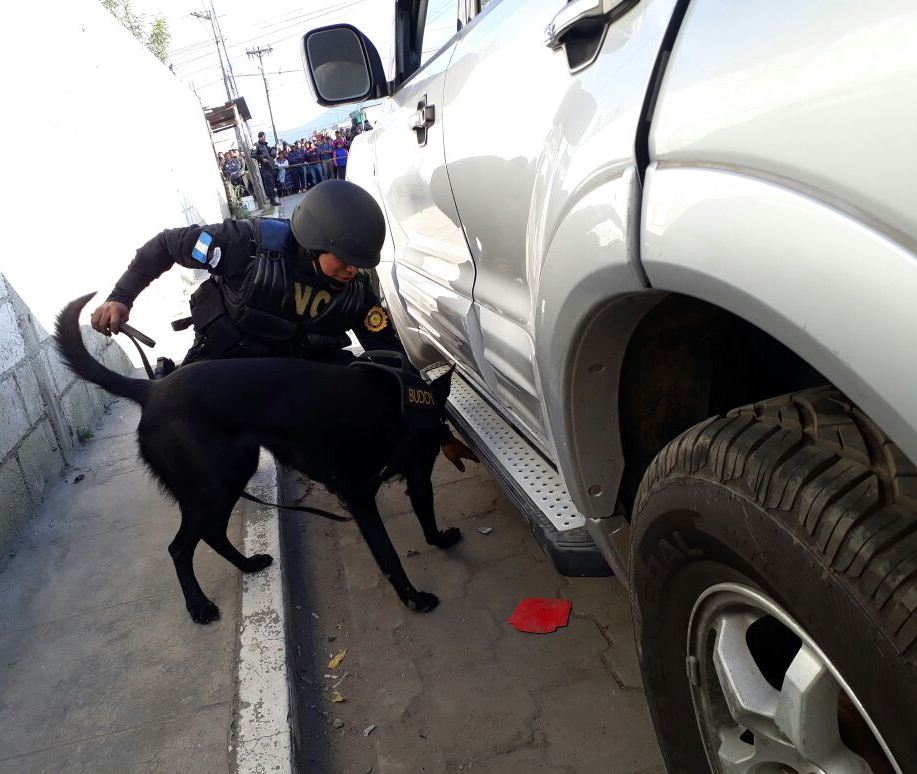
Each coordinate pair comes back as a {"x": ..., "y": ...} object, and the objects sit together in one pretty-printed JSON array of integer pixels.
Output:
[{"x": 441, "y": 386}]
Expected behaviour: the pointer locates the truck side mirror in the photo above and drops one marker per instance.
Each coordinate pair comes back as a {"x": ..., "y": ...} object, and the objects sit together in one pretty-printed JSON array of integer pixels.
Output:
[{"x": 343, "y": 65}]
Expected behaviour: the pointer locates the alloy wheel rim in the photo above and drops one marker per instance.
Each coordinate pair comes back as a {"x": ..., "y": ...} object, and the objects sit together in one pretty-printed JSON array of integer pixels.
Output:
[{"x": 766, "y": 697}]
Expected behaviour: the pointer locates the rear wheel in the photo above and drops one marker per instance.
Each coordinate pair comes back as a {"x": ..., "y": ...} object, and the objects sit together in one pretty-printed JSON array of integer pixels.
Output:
[{"x": 774, "y": 583}]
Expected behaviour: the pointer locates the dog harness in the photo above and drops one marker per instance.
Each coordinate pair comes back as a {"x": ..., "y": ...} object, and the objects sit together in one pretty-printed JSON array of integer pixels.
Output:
[{"x": 418, "y": 405}]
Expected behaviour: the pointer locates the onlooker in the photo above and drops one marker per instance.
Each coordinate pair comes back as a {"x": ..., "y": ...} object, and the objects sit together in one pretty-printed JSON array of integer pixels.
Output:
[
  {"x": 264, "y": 157},
  {"x": 326, "y": 154},
  {"x": 297, "y": 159},
  {"x": 232, "y": 169},
  {"x": 314, "y": 171},
  {"x": 282, "y": 167},
  {"x": 340, "y": 162}
]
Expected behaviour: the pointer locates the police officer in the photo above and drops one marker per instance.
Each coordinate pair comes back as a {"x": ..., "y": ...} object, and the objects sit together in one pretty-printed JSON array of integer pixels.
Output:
[
  {"x": 287, "y": 288},
  {"x": 283, "y": 288},
  {"x": 264, "y": 156}
]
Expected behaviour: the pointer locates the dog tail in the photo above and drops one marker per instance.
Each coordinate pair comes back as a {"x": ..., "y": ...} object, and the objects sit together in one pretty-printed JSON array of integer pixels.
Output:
[{"x": 69, "y": 343}]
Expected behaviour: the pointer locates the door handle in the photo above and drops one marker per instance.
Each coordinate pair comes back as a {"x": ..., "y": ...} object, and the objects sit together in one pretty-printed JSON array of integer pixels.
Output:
[
  {"x": 423, "y": 119},
  {"x": 577, "y": 11}
]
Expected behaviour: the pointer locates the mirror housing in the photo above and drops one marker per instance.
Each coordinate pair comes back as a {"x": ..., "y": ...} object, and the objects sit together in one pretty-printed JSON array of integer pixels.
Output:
[{"x": 342, "y": 65}]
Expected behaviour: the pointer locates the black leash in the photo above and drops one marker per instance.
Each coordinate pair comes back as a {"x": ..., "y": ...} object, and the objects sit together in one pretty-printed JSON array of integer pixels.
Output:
[
  {"x": 304, "y": 508},
  {"x": 133, "y": 334}
]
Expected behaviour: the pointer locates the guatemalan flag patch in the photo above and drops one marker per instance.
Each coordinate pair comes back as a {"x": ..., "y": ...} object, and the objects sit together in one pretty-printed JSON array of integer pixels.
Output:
[{"x": 202, "y": 247}]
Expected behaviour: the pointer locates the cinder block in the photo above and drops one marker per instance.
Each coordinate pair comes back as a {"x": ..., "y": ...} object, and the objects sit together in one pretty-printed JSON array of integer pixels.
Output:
[
  {"x": 30, "y": 391},
  {"x": 116, "y": 359},
  {"x": 99, "y": 398},
  {"x": 78, "y": 410},
  {"x": 59, "y": 372},
  {"x": 41, "y": 334},
  {"x": 40, "y": 459},
  {"x": 14, "y": 497},
  {"x": 12, "y": 347},
  {"x": 95, "y": 342},
  {"x": 14, "y": 420}
]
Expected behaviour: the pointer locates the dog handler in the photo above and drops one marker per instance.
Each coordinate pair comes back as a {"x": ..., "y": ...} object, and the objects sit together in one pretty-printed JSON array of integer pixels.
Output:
[{"x": 278, "y": 288}]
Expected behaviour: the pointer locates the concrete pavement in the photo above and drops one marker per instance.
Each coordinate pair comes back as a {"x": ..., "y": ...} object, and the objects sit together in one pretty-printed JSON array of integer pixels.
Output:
[
  {"x": 101, "y": 668},
  {"x": 456, "y": 689}
]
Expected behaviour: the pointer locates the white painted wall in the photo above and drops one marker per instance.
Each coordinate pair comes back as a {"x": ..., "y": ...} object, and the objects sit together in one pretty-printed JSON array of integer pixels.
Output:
[{"x": 103, "y": 148}]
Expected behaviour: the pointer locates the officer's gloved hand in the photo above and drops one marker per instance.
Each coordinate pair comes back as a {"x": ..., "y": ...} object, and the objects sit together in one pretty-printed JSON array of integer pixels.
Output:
[{"x": 108, "y": 317}]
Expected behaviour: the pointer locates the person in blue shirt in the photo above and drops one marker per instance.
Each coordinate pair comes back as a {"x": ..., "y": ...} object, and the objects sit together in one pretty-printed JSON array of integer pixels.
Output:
[
  {"x": 326, "y": 154},
  {"x": 297, "y": 159},
  {"x": 340, "y": 162}
]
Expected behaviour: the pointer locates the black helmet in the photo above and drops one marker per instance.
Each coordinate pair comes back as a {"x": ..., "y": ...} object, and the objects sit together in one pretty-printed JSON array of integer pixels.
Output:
[{"x": 341, "y": 218}]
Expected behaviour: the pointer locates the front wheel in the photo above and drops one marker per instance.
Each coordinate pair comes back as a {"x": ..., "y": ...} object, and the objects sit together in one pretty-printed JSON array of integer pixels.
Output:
[{"x": 773, "y": 583}]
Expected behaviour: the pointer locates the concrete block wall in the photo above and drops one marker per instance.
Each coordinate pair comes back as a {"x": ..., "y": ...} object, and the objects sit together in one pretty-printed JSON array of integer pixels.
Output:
[{"x": 45, "y": 411}]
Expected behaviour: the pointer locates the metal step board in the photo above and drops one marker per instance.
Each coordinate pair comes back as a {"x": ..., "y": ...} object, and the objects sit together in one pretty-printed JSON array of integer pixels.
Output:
[{"x": 535, "y": 487}]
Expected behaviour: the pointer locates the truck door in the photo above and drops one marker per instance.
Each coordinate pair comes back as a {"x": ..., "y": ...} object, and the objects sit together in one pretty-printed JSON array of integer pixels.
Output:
[
  {"x": 433, "y": 266},
  {"x": 530, "y": 131}
]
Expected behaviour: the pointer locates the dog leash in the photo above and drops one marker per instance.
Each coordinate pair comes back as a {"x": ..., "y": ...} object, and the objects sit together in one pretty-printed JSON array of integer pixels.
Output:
[
  {"x": 133, "y": 334},
  {"x": 304, "y": 508}
]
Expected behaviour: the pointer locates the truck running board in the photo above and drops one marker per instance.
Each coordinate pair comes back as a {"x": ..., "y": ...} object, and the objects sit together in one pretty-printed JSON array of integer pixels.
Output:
[{"x": 534, "y": 486}]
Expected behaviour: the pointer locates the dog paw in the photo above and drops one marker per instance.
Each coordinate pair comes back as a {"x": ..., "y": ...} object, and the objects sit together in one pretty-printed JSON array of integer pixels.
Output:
[
  {"x": 448, "y": 537},
  {"x": 257, "y": 562},
  {"x": 204, "y": 612},
  {"x": 423, "y": 602}
]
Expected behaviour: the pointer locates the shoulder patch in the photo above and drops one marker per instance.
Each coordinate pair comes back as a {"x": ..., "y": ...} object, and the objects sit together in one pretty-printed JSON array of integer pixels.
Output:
[
  {"x": 376, "y": 319},
  {"x": 202, "y": 247}
]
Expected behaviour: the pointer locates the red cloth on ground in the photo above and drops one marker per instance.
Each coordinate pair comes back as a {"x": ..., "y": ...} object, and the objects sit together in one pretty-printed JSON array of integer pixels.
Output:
[{"x": 540, "y": 616}]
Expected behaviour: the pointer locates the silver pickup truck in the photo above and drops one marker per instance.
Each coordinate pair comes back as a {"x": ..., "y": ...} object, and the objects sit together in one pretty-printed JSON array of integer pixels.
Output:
[{"x": 671, "y": 246}]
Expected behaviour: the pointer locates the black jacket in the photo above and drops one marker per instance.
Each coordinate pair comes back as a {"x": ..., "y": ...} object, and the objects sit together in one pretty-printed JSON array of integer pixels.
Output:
[
  {"x": 264, "y": 154},
  {"x": 319, "y": 307}
]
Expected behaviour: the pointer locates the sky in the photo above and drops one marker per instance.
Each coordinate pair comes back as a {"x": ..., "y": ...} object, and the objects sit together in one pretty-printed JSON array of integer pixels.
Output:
[{"x": 249, "y": 24}]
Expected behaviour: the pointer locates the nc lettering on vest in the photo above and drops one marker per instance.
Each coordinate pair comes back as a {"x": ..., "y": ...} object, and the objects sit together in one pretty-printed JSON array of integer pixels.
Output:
[
  {"x": 422, "y": 397},
  {"x": 304, "y": 294}
]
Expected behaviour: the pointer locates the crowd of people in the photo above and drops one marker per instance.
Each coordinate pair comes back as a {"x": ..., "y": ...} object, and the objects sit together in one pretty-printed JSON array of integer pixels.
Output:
[{"x": 288, "y": 168}]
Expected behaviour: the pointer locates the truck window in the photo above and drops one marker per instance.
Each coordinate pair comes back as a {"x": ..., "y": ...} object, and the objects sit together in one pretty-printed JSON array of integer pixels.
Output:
[{"x": 439, "y": 26}]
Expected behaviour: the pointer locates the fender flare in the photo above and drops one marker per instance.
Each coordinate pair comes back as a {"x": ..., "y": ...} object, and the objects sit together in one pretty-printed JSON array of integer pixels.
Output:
[{"x": 835, "y": 288}]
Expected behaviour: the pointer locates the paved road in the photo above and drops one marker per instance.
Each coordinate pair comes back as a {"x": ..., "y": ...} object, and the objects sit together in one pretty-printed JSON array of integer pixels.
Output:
[
  {"x": 101, "y": 669},
  {"x": 457, "y": 689}
]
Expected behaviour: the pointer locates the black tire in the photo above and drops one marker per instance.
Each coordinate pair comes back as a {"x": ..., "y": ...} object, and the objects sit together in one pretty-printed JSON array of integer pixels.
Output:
[{"x": 805, "y": 499}]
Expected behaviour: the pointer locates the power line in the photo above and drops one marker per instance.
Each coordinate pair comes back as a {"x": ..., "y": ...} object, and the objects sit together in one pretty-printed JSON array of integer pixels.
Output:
[
  {"x": 205, "y": 14},
  {"x": 260, "y": 52},
  {"x": 282, "y": 26}
]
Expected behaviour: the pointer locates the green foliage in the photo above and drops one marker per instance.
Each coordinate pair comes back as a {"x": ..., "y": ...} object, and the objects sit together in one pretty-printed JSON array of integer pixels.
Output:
[
  {"x": 159, "y": 37},
  {"x": 236, "y": 209},
  {"x": 154, "y": 34},
  {"x": 84, "y": 435}
]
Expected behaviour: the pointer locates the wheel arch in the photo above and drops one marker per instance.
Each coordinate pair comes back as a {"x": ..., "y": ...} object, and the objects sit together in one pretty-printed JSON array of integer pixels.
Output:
[
  {"x": 757, "y": 289},
  {"x": 646, "y": 366}
]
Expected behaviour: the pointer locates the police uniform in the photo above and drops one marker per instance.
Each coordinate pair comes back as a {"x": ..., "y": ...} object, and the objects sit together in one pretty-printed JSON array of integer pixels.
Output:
[{"x": 265, "y": 296}]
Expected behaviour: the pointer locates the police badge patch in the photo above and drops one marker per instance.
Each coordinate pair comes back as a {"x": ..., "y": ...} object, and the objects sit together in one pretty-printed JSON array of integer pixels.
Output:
[{"x": 376, "y": 319}]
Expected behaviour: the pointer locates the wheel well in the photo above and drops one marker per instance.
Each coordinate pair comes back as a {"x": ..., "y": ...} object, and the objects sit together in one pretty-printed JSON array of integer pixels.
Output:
[{"x": 685, "y": 361}]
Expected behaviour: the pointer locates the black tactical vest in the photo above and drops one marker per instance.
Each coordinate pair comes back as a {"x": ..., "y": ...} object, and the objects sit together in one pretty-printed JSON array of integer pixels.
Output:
[{"x": 277, "y": 308}]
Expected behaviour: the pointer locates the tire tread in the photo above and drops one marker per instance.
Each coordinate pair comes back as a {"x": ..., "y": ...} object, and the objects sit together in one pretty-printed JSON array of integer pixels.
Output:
[{"x": 832, "y": 477}]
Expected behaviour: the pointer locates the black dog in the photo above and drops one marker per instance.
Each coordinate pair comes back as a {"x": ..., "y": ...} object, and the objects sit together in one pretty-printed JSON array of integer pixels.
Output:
[{"x": 202, "y": 427}]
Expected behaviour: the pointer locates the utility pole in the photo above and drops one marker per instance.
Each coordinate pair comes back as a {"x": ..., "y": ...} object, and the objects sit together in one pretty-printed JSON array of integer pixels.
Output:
[
  {"x": 260, "y": 52},
  {"x": 205, "y": 14},
  {"x": 243, "y": 137},
  {"x": 232, "y": 75}
]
